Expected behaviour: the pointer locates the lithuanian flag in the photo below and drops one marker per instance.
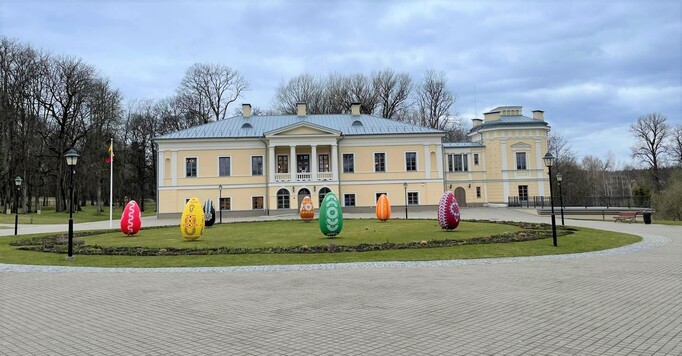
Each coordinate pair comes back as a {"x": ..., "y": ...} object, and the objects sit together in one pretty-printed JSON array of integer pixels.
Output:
[{"x": 111, "y": 153}]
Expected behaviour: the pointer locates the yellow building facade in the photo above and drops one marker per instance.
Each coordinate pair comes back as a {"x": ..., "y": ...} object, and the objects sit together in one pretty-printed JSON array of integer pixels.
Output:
[{"x": 256, "y": 165}]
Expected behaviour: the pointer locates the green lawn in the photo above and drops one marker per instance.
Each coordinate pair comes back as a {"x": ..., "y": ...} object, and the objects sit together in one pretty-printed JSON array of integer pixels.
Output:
[
  {"x": 667, "y": 222},
  {"x": 87, "y": 214},
  {"x": 299, "y": 233}
]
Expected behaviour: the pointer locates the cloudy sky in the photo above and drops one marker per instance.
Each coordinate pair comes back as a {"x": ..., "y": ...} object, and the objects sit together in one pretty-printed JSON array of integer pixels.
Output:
[{"x": 592, "y": 66}]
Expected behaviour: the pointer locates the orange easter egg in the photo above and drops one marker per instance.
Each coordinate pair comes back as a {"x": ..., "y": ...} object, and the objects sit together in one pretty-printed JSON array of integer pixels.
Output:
[
  {"x": 383, "y": 208},
  {"x": 307, "y": 209}
]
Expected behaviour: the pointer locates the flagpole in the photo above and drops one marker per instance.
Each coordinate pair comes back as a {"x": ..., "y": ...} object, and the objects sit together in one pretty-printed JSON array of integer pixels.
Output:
[{"x": 111, "y": 185}]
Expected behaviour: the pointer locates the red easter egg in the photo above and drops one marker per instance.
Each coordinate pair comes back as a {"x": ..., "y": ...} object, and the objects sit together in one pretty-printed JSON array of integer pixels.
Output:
[
  {"x": 448, "y": 211},
  {"x": 383, "y": 208},
  {"x": 131, "y": 219},
  {"x": 307, "y": 209}
]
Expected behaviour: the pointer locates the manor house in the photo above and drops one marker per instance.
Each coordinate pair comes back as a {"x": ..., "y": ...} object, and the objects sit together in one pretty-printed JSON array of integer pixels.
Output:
[{"x": 266, "y": 164}]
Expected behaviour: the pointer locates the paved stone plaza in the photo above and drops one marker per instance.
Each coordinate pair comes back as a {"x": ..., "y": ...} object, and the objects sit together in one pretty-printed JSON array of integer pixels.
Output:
[{"x": 621, "y": 303}]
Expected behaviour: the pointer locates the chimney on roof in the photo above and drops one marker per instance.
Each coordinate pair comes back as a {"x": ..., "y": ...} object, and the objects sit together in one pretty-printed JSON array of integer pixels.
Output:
[
  {"x": 355, "y": 109},
  {"x": 538, "y": 115},
  {"x": 246, "y": 110},
  {"x": 301, "y": 108},
  {"x": 476, "y": 122}
]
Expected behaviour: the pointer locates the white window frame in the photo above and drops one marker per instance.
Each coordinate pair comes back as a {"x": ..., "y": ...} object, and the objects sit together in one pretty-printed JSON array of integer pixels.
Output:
[
  {"x": 257, "y": 196},
  {"x": 342, "y": 163},
  {"x": 374, "y": 162},
  {"x": 220, "y": 207},
  {"x": 418, "y": 197},
  {"x": 477, "y": 159},
  {"x": 416, "y": 161},
  {"x": 262, "y": 165},
  {"x": 219, "y": 157},
  {"x": 185, "y": 169},
  {"x": 355, "y": 199},
  {"x": 377, "y": 195},
  {"x": 525, "y": 159},
  {"x": 277, "y": 163}
]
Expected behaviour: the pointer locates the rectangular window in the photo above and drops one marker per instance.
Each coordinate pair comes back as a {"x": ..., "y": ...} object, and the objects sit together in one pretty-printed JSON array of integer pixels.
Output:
[
  {"x": 191, "y": 167},
  {"x": 256, "y": 202},
  {"x": 224, "y": 166},
  {"x": 478, "y": 192},
  {"x": 257, "y": 165},
  {"x": 303, "y": 163},
  {"x": 520, "y": 160},
  {"x": 475, "y": 159},
  {"x": 323, "y": 163},
  {"x": 225, "y": 204},
  {"x": 349, "y": 200},
  {"x": 410, "y": 161},
  {"x": 458, "y": 163},
  {"x": 523, "y": 192},
  {"x": 377, "y": 195},
  {"x": 348, "y": 163},
  {"x": 412, "y": 198},
  {"x": 380, "y": 162},
  {"x": 282, "y": 164}
]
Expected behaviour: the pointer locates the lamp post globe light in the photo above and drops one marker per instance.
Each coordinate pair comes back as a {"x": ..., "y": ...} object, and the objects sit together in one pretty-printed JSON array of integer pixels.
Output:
[
  {"x": 559, "y": 178},
  {"x": 405, "y": 187},
  {"x": 17, "y": 182},
  {"x": 220, "y": 201},
  {"x": 71, "y": 160},
  {"x": 549, "y": 162}
]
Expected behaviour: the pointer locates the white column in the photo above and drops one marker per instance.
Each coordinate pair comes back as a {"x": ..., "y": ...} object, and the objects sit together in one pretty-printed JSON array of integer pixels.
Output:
[
  {"x": 314, "y": 162},
  {"x": 335, "y": 162},
  {"x": 427, "y": 161},
  {"x": 439, "y": 160},
  {"x": 271, "y": 163},
  {"x": 174, "y": 168},
  {"x": 292, "y": 162},
  {"x": 161, "y": 162}
]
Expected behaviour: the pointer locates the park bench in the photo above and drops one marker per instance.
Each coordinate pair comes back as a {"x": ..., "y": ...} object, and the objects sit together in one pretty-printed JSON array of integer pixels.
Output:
[{"x": 629, "y": 216}]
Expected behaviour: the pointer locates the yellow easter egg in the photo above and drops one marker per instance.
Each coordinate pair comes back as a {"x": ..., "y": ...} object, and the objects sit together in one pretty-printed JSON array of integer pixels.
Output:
[{"x": 192, "y": 220}]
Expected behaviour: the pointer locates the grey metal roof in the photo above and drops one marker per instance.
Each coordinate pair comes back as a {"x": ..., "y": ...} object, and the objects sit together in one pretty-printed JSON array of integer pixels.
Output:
[
  {"x": 232, "y": 127},
  {"x": 462, "y": 144},
  {"x": 514, "y": 120}
]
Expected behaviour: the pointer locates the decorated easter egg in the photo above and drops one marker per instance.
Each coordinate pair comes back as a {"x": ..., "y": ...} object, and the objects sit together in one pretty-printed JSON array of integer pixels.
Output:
[
  {"x": 307, "y": 209},
  {"x": 331, "y": 216},
  {"x": 209, "y": 213},
  {"x": 383, "y": 208},
  {"x": 192, "y": 220},
  {"x": 131, "y": 219},
  {"x": 448, "y": 211}
]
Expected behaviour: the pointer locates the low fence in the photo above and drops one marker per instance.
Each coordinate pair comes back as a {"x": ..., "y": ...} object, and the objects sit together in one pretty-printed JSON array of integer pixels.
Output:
[{"x": 579, "y": 201}]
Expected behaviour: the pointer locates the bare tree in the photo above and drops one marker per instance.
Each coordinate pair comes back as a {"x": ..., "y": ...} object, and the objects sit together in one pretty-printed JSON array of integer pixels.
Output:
[
  {"x": 361, "y": 91},
  {"x": 675, "y": 147},
  {"x": 393, "y": 92},
  {"x": 651, "y": 132},
  {"x": 208, "y": 89},
  {"x": 434, "y": 100},
  {"x": 303, "y": 88}
]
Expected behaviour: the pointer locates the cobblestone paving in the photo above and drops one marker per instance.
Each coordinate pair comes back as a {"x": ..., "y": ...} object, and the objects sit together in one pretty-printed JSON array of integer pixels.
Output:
[{"x": 605, "y": 304}]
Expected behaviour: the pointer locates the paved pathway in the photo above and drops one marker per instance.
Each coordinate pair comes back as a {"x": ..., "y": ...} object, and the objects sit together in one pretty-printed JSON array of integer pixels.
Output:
[{"x": 618, "y": 304}]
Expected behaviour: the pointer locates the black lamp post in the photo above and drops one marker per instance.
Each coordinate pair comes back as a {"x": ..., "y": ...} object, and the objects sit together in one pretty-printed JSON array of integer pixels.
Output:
[
  {"x": 17, "y": 182},
  {"x": 549, "y": 162},
  {"x": 405, "y": 187},
  {"x": 71, "y": 160},
  {"x": 220, "y": 202},
  {"x": 559, "y": 178}
]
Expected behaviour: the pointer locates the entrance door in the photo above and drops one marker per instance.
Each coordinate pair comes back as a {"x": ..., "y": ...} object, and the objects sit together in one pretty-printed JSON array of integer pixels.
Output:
[
  {"x": 461, "y": 196},
  {"x": 302, "y": 194}
]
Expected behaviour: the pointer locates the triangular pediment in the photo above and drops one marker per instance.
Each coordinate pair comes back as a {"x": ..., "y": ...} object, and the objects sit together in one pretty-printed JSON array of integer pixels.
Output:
[
  {"x": 303, "y": 129},
  {"x": 521, "y": 146}
]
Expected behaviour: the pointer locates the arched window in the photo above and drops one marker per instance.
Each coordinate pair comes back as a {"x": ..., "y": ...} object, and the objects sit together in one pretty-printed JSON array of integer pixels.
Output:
[
  {"x": 322, "y": 193},
  {"x": 246, "y": 125},
  {"x": 282, "y": 199},
  {"x": 357, "y": 123}
]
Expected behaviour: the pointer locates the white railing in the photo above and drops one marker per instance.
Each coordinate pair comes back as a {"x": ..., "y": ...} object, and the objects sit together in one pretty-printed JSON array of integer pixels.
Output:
[
  {"x": 303, "y": 177},
  {"x": 282, "y": 177},
  {"x": 324, "y": 175}
]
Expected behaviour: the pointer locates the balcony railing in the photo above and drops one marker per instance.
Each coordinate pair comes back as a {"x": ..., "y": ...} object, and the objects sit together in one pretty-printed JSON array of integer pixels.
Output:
[
  {"x": 303, "y": 176},
  {"x": 282, "y": 177},
  {"x": 325, "y": 176}
]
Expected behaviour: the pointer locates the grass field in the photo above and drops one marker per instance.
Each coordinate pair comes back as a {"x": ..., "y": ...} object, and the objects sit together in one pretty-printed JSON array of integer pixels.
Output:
[
  {"x": 283, "y": 233},
  {"x": 87, "y": 214}
]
